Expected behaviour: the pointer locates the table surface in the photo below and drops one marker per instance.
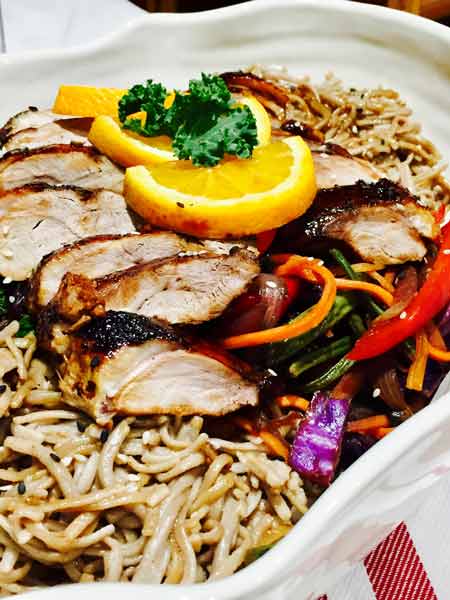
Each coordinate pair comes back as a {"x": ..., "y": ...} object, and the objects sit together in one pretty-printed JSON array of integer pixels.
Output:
[{"x": 412, "y": 563}]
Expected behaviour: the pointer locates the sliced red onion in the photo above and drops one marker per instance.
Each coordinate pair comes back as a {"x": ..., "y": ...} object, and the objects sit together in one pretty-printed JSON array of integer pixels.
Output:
[
  {"x": 317, "y": 444},
  {"x": 407, "y": 285},
  {"x": 261, "y": 307}
]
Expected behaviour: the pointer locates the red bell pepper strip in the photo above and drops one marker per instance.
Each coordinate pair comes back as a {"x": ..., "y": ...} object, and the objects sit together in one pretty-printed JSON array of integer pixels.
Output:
[
  {"x": 439, "y": 214},
  {"x": 430, "y": 299},
  {"x": 264, "y": 240}
]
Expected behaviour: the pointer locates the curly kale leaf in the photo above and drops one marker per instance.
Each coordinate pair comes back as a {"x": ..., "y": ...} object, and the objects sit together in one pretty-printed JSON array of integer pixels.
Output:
[
  {"x": 148, "y": 98},
  {"x": 202, "y": 123},
  {"x": 232, "y": 133}
]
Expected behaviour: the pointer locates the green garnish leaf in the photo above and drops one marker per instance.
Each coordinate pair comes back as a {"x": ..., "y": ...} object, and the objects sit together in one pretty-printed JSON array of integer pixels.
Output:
[
  {"x": 148, "y": 98},
  {"x": 233, "y": 133},
  {"x": 26, "y": 325},
  {"x": 203, "y": 123}
]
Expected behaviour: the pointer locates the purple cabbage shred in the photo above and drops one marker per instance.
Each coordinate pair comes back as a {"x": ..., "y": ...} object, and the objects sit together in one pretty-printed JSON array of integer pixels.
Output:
[{"x": 317, "y": 444}]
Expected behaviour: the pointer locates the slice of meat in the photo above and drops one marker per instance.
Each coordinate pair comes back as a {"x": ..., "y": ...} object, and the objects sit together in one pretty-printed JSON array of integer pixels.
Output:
[
  {"x": 178, "y": 290},
  {"x": 334, "y": 169},
  {"x": 60, "y": 164},
  {"x": 33, "y": 128},
  {"x": 37, "y": 219},
  {"x": 127, "y": 364},
  {"x": 380, "y": 221},
  {"x": 98, "y": 256}
]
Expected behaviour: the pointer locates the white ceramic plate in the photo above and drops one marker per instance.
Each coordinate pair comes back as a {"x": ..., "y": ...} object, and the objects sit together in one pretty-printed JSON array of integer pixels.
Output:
[{"x": 364, "y": 45}]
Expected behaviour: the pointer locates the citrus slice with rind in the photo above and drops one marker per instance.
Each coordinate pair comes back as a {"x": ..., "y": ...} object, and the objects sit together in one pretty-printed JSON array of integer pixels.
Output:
[
  {"x": 235, "y": 198},
  {"x": 87, "y": 101},
  {"x": 127, "y": 148}
]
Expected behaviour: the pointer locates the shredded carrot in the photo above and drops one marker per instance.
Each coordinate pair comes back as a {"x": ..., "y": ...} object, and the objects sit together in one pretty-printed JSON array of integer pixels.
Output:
[
  {"x": 437, "y": 354},
  {"x": 434, "y": 336},
  {"x": 370, "y": 288},
  {"x": 389, "y": 276},
  {"x": 291, "y": 401},
  {"x": 380, "y": 432},
  {"x": 299, "y": 266},
  {"x": 416, "y": 371},
  {"x": 362, "y": 425},
  {"x": 367, "y": 267},
  {"x": 381, "y": 280},
  {"x": 276, "y": 445}
]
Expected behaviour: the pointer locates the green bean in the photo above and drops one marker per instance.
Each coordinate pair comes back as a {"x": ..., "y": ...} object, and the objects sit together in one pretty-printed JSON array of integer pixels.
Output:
[
  {"x": 351, "y": 274},
  {"x": 282, "y": 351},
  {"x": 321, "y": 355},
  {"x": 356, "y": 324},
  {"x": 329, "y": 377},
  {"x": 343, "y": 262}
]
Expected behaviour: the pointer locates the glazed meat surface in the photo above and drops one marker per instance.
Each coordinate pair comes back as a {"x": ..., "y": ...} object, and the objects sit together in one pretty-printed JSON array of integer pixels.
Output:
[
  {"x": 128, "y": 364},
  {"x": 60, "y": 164},
  {"x": 379, "y": 221},
  {"x": 178, "y": 290},
  {"x": 37, "y": 219},
  {"x": 98, "y": 256}
]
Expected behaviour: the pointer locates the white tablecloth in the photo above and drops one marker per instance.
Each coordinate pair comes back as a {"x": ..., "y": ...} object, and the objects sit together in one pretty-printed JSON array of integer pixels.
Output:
[{"x": 39, "y": 24}]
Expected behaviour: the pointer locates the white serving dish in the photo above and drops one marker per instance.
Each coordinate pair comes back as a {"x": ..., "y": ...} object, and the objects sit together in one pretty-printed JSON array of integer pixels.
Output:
[{"x": 364, "y": 45}]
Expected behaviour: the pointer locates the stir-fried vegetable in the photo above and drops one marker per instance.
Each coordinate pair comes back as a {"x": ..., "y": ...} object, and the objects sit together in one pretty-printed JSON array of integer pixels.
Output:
[
  {"x": 387, "y": 381},
  {"x": 333, "y": 374},
  {"x": 370, "y": 288},
  {"x": 317, "y": 445},
  {"x": 368, "y": 423},
  {"x": 351, "y": 274},
  {"x": 301, "y": 267},
  {"x": 262, "y": 305},
  {"x": 281, "y": 351},
  {"x": 431, "y": 298},
  {"x": 317, "y": 357}
]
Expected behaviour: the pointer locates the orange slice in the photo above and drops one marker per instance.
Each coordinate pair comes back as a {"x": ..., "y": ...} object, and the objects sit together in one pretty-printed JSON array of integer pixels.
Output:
[
  {"x": 237, "y": 197},
  {"x": 86, "y": 101}
]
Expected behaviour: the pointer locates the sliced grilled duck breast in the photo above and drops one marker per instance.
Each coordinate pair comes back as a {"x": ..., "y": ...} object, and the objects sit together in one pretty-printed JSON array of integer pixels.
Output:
[
  {"x": 178, "y": 290},
  {"x": 98, "y": 256},
  {"x": 380, "y": 221},
  {"x": 127, "y": 364},
  {"x": 60, "y": 164},
  {"x": 33, "y": 128},
  {"x": 334, "y": 169},
  {"x": 37, "y": 219}
]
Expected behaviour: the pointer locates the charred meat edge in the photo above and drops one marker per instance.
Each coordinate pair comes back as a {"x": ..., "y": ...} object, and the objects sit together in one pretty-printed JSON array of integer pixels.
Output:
[
  {"x": 332, "y": 203},
  {"x": 103, "y": 336}
]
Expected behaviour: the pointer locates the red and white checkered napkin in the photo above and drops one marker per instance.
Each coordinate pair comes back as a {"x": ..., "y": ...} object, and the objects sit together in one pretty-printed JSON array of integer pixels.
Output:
[{"x": 412, "y": 563}]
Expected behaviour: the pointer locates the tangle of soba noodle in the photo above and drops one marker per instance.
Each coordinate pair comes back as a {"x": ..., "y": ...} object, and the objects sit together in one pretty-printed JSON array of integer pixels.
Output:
[
  {"x": 157, "y": 501},
  {"x": 373, "y": 124}
]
